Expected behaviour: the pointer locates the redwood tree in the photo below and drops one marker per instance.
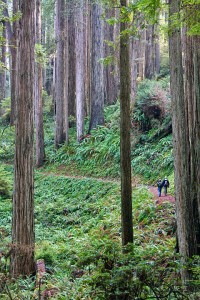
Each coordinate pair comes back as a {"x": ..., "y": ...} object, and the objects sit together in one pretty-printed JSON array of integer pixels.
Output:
[
  {"x": 97, "y": 96},
  {"x": 39, "y": 127},
  {"x": 22, "y": 252},
  {"x": 186, "y": 136},
  {"x": 80, "y": 69},
  {"x": 60, "y": 136},
  {"x": 125, "y": 147}
]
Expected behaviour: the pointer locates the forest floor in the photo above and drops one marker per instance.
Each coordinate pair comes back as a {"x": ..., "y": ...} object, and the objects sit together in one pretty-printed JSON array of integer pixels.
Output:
[{"x": 160, "y": 200}]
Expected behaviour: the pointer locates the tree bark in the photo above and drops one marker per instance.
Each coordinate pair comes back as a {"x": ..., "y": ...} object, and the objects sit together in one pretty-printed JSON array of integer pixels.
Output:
[
  {"x": 111, "y": 91},
  {"x": 80, "y": 70},
  {"x": 60, "y": 71},
  {"x": 39, "y": 127},
  {"x": 3, "y": 70},
  {"x": 149, "y": 53},
  {"x": 14, "y": 79},
  {"x": 126, "y": 189},
  {"x": 22, "y": 254},
  {"x": 185, "y": 122},
  {"x": 97, "y": 97},
  {"x": 71, "y": 59}
]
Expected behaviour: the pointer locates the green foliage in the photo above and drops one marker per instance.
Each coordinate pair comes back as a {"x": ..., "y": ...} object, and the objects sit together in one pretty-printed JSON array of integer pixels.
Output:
[
  {"x": 5, "y": 182},
  {"x": 99, "y": 148},
  {"x": 152, "y": 104},
  {"x": 40, "y": 54},
  {"x": 153, "y": 160},
  {"x": 7, "y": 143},
  {"x": 5, "y": 106}
]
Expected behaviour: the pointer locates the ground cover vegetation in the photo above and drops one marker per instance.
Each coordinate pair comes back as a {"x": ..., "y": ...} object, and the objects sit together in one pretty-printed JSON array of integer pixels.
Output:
[{"x": 77, "y": 211}]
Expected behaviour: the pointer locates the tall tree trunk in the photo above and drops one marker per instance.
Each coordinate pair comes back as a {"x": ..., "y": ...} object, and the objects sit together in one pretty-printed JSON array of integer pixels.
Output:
[
  {"x": 39, "y": 127},
  {"x": 60, "y": 71},
  {"x": 87, "y": 20},
  {"x": 22, "y": 254},
  {"x": 195, "y": 141},
  {"x": 185, "y": 107},
  {"x": 80, "y": 64},
  {"x": 14, "y": 79},
  {"x": 110, "y": 80},
  {"x": 97, "y": 97},
  {"x": 71, "y": 59},
  {"x": 149, "y": 53},
  {"x": 3, "y": 69},
  {"x": 66, "y": 76},
  {"x": 141, "y": 53},
  {"x": 133, "y": 67},
  {"x": 192, "y": 96},
  {"x": 126, "y": 190}
]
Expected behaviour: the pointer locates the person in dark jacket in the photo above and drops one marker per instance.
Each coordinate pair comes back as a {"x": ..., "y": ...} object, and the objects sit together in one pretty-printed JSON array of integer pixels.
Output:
[
  {"x": 159, "y": 185},
  {"x": 165, "y": 185}
]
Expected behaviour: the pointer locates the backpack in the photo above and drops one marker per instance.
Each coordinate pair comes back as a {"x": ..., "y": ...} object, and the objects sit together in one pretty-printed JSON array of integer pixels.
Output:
[
  {"x": 166, "y": 184},
  {"x": 159, "y": 183}
]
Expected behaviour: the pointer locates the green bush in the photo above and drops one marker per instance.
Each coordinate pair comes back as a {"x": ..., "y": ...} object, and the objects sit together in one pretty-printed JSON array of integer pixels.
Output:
[{"x": 152, "y": 104}]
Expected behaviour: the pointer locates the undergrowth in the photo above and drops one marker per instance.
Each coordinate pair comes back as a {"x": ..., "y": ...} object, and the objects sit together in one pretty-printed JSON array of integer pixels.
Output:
[{"x": 78, "y": 234}]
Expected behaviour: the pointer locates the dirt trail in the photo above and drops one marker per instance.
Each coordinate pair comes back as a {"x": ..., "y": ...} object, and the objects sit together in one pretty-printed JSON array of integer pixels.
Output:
[
  {"x": 161, "y": 199},
  {"x": 152, "y": 189}
]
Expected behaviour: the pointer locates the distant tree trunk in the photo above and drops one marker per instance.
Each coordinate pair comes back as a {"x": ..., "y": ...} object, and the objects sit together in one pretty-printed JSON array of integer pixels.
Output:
[
  {"x": 126, "y": 190},
  {"x": 60, "y": 71},
  {"x": 14, "y": 79},
  {"x": 39, "y": 132},
  {"x": 141, "y": 53},
  {"x": 186, "y": 139},
  {"x": 6, "y": 45},
  {"x": 22, "y": 254},
  {"x": 87, "y": 58},
  {"x": 157, "y": 55},
  {"x": 149, "y": 53},
  {"x": 80, "y": 70},
  {"x": 110, "y": 80},
  {"x": 71, "y": 59},
  {"x": 66, "y": 76},
  {"x": 3, "y": 69},
  {"x": 97, "y": 97},
  {"x": 133, "y": 67}
]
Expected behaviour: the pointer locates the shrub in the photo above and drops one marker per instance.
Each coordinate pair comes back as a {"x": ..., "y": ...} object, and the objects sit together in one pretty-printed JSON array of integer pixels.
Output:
[{"x": 152, "y": 105}]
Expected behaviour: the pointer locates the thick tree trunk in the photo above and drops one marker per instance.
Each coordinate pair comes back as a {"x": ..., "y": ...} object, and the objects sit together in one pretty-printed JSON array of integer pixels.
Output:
[
  {"x": 60, "y": 71},
  {"x": 80, "y": 70},
  {"x": 97, "y": 97},
  {"x": 195, "y": 142},
  {"x": 192, "y": 96},
  {"x": 39, "y": 127},
  {"x": 185, "y": 123},
  {"x": 126, "y": 190},
  {"x": 22, "y": 254}
]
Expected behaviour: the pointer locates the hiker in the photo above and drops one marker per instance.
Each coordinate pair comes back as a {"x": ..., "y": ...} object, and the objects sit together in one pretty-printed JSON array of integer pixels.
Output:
[
  {"x": 165, "y": 185},
  {"x": 159, "y": 185}
]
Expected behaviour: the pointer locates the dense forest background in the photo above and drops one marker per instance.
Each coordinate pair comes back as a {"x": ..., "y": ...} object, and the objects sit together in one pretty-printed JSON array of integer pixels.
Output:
[{"x": 98, "y": 100}]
